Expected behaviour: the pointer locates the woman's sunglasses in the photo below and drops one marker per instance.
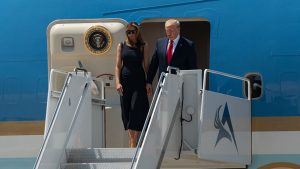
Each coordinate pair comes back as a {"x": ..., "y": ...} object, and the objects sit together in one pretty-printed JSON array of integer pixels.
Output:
[{"x": 130, "y": 32}]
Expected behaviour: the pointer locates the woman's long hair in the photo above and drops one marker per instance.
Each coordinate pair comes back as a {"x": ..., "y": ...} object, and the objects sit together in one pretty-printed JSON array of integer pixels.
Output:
[{"x": 139, "y": 41}]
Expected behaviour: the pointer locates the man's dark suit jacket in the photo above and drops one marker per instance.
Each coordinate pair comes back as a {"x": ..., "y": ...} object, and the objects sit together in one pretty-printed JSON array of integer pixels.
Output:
[{"x": 184, "y": 57}]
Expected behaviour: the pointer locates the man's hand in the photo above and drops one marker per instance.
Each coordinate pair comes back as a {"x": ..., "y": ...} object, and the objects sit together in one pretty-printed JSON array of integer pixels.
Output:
[{"x": 149, "y": 89}]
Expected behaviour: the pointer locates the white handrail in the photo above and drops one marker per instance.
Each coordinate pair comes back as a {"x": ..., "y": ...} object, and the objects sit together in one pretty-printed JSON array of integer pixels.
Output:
[{"x": 206, "y": 71}]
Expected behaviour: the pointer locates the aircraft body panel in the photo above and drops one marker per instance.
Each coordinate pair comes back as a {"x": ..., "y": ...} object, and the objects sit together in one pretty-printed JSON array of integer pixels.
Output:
[{"x": 244, "y": 37}]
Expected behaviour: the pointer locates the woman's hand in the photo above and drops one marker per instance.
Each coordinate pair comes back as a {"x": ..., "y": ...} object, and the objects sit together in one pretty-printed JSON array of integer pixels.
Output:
[{"x": 119, "y": 88}]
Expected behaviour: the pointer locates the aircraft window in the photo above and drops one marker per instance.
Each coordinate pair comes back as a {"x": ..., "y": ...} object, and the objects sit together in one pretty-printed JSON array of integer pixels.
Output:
[{"x": 256, "y": 85}]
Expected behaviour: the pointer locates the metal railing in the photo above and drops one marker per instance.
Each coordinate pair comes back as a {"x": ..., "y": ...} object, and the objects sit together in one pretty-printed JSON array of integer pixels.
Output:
[
  {"x": 149, "y": 115},
  {"x": 206, "y": 71},
  {"x": 156, "y": 95},
  {"x": 38, "y": 163}
]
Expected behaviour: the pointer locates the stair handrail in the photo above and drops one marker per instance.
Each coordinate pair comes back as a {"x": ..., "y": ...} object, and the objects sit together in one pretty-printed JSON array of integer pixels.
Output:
[
  {"x": 52, "y": 121},
  {"x": 149, "y": 115},
  {"x": 170, "y": 70},
  {"x": 206, "y": 71},
  {"x": 55, "y": 114},
  {"x": 79, "y": 105}
]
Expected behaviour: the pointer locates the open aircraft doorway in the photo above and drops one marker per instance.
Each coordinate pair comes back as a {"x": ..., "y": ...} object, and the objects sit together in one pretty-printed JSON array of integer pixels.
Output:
[{"x": 195, "y": 29}]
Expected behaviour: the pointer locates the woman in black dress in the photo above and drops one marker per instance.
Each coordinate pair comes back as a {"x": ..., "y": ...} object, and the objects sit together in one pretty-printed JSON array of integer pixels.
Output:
[{"x": 131, "y": 65}]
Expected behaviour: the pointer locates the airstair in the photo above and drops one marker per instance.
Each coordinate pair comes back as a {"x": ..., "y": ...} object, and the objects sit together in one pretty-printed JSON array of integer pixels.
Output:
[{"x": 70, "y": 138}]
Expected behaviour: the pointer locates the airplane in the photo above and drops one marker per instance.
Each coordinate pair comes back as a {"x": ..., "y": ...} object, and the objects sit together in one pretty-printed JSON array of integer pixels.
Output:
[{"x": 243, "y": 38}]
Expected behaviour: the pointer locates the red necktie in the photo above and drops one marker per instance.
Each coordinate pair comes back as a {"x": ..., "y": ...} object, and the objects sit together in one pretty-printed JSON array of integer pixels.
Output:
[{"x": 169, "y": 52}]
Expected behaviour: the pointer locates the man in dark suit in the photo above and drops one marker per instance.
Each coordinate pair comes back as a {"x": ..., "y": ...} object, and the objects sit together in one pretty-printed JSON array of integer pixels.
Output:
[{"x": 173, "y": 50}]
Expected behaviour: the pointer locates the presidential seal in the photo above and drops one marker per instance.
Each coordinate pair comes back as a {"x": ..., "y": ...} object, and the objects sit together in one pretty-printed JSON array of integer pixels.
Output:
[{"x": 98, "y": 40}]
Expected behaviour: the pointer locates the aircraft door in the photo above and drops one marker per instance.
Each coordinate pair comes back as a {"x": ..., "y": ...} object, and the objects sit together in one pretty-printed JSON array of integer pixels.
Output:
[
  {"x": 225, "y": 125},
  {"x": 90, "y": 44}
]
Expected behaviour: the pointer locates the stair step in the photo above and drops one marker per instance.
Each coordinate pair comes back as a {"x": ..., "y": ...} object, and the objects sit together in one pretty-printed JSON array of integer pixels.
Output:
[
  {"x": 100, "y": 155},
  {"x": 118, "y": 165}
]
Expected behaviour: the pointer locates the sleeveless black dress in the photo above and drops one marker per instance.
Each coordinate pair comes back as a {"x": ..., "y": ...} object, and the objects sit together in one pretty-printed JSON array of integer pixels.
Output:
[{"x": 134, "y": 102}]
